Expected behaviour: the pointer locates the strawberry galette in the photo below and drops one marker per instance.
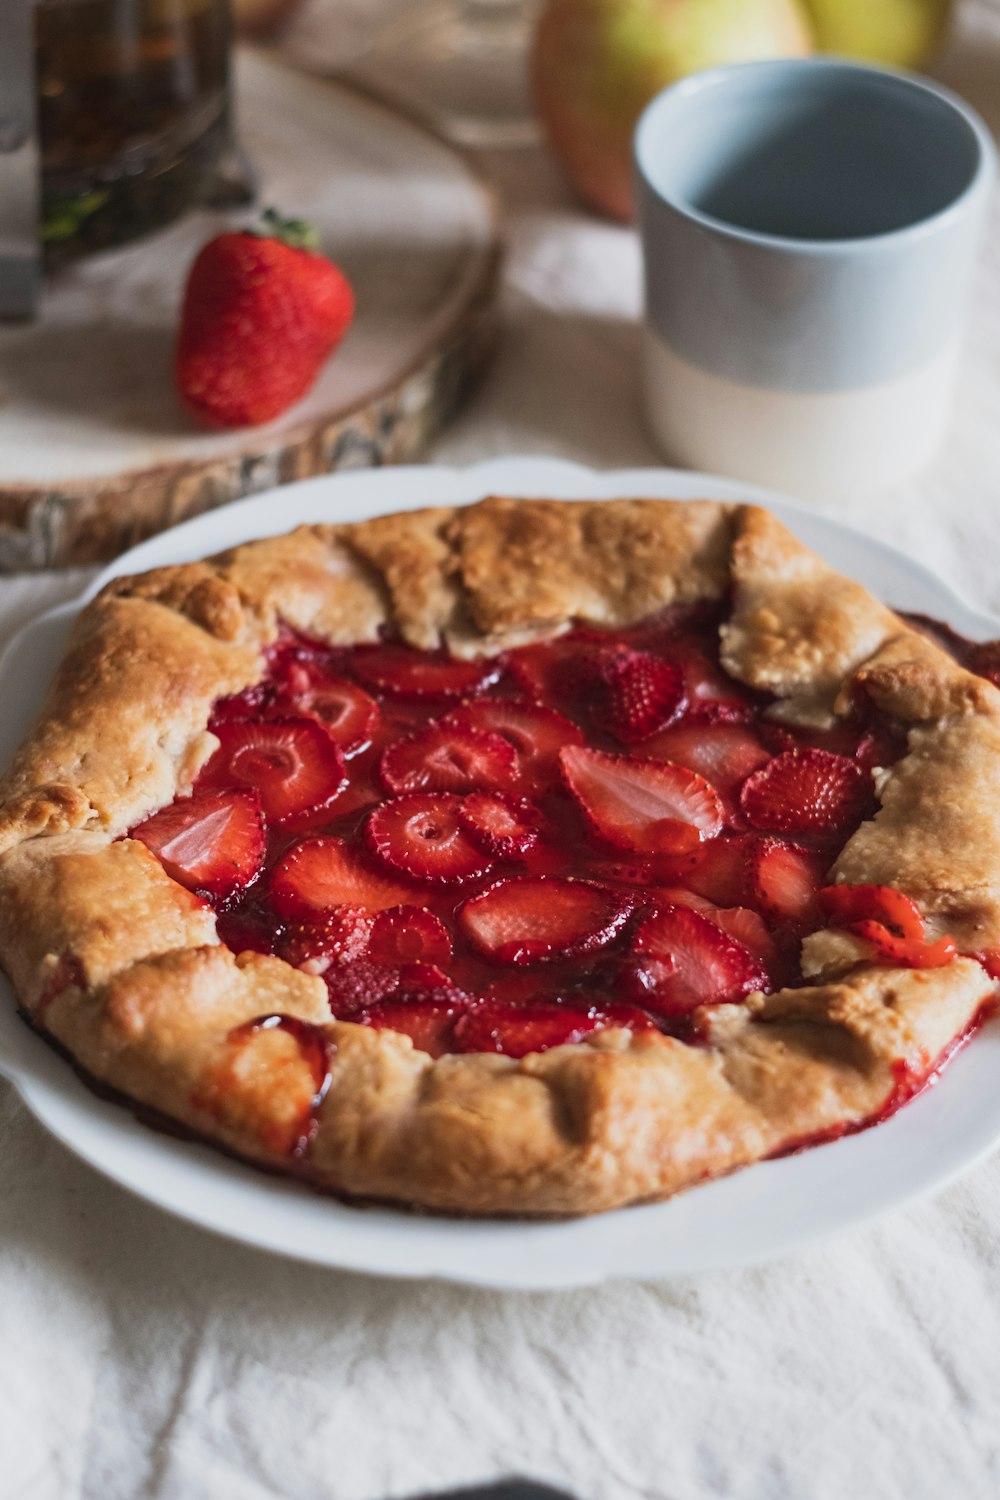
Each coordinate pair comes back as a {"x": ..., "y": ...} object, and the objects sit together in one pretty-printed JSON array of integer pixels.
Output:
[{"x": 524, "y": 858}]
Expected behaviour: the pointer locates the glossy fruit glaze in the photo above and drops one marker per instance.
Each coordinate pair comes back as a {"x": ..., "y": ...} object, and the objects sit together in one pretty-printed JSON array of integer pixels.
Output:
[{"x": 512, "y": 853}]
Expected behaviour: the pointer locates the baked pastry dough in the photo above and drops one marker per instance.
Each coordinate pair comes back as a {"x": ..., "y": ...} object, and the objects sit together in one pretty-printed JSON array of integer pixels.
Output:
[{"x": 122, "y": 967}]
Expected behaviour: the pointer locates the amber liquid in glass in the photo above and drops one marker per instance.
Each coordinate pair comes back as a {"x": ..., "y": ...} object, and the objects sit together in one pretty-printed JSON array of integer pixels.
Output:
[{"x": 133, "y": 114}]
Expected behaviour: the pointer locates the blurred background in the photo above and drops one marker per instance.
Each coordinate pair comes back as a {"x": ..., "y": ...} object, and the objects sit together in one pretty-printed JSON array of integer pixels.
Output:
[
  {"x": 491, "y": 72},
  {"x": 492, "y": 251}
]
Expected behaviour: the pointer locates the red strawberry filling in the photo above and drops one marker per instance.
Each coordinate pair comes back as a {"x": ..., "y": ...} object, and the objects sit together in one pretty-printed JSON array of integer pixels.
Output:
[
  {"x": 448, "y": 758},
  {"x": 515, "y": 853},
  {"x": 403, "y": 672},
  {"x": 428, "y": 1020},
  {"x": 353, "y": 988},
  {"x": 212, "y": 842},
  {"x": 424, "y": 837},
  {"x": 501, "y": 826},
  {"x": 812, "y": 791},
  {"x": 653, "y": 807},
  {"x": 639, "y": 693},
  {"x": 335, "y": 936},
  {"x": 681, "y": 959},
  {"x": 348, "y": 714},
  {"x": 318, "y": 874},
  {"x": 536, "y": 1027},
  {"x": 409, "y": 935},
  {"x": 292, "y": 764},
  {"x": 889, "y": 921},
  {"x": 270, "y": 1079},
  {"x": 725, "y": 754},
  {"x": 785, "y": 880},
  {"x": 525, "y": 921},
  {"x": 535, "y": 734}
]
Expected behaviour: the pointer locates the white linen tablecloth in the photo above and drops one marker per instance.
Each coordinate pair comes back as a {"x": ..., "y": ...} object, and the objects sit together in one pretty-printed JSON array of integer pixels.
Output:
[{"x": 143, "y": 1358}]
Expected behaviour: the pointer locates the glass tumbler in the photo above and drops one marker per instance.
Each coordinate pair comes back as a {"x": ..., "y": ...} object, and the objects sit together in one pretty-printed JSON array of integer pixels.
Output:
[{"x": 133, "y": 115}]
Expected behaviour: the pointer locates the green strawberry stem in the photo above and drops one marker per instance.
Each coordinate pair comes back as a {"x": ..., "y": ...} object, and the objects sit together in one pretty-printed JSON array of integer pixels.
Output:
[{"x": 298, "y": 234}]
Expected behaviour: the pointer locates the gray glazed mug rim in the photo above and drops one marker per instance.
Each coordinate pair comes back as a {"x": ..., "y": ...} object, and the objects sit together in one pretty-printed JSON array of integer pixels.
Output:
[{"x": 697, "y": 83}]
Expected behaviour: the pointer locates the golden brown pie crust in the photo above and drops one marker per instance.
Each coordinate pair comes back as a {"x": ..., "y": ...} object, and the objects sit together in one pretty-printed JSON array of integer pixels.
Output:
[{"x": 122, "y": 967}]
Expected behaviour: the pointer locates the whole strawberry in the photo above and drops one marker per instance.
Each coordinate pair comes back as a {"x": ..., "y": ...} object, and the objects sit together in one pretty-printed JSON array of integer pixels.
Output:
[{"x": 262, "y": 311}]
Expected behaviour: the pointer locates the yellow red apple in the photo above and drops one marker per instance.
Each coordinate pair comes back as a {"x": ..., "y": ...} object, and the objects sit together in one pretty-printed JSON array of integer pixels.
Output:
[
  {"x": 903, "y": 33},
  {"x": 597, "y": 63}
]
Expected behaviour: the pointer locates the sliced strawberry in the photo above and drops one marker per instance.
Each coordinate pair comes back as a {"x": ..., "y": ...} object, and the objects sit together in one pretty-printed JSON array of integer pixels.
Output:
[
  {"x": 517, "y": 1030},
  {"x": 677, "y": 895},
  {"x": 777, "y": 738},
  {"x": 907, "y": 953},
  {"x": 646, "y": 805},
  {"x": 680, "y": 960},
  {"x": 719, "y": 869},
  {"x": 422, "y": 978},
  {"x": 422, "y": 836},
  {"x": 337, "y": 936},
  {"x": 741, "y": 922},
  {"x": 515, "y": 987},
  {"x": 712, "y": 696},
  {"x": 409, "y": 935},
  {"x": 870, "y": 745},
  {"x": 528, "y": 920},
  {"x": 292, "y": 764},
  {"x": 747, "y": 927},
  {"x": 355, "y": 987},
  {"x": 429, "y": 1021},
  {"x": 563, "y": 669},
  {"x": 408, "y": 673},
  {"x": 362, "y": 792},
  {"x": 890, "y": 921},
  {"x": 322, "y": 873},
  {"x": 649, "y": 870},
  {"x": 785, "y": 881},
  {"x": 640, "y": 694},
  {"x": 528, "y": 669},
  {"x": 811, "y": 790},
  {"x": 212, "y": 841},
  {"x": 537, "y": 734},
  {"x": 844, "y": 904},
  {"x": 503, "y": 827},
  {"x": 345, "y": 710},
  {"x": 448, "y": 758},
  {"x": 725, "y": 754}
]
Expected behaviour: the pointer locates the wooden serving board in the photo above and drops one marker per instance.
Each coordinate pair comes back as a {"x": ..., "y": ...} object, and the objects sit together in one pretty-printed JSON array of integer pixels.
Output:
[{"x": 95, "y": 450}]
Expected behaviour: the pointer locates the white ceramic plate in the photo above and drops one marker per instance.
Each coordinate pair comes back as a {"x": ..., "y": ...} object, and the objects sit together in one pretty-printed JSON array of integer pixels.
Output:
[{"x": 764, "y": 1211}]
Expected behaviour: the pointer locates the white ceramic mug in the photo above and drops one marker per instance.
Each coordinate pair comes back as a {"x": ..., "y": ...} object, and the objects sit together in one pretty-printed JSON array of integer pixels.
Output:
[{"x": 809, "y": 229}]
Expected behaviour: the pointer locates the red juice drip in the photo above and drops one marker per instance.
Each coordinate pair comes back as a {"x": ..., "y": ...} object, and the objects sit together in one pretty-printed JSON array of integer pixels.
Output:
[{"x": 315, "y": 1048}]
